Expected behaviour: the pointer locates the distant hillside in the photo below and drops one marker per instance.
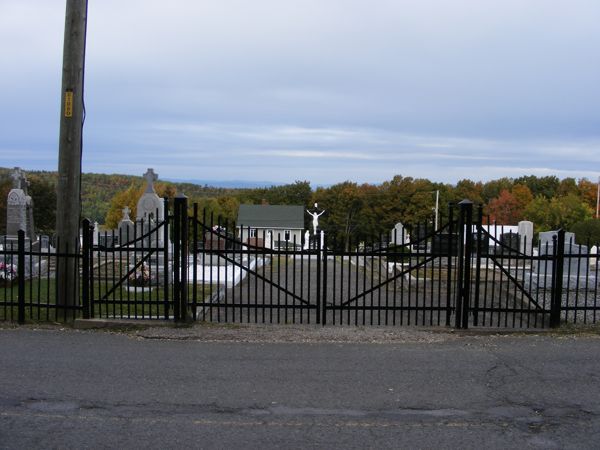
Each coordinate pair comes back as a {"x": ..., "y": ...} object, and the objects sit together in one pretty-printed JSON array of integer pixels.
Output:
[{"x": 98, "y": 189}]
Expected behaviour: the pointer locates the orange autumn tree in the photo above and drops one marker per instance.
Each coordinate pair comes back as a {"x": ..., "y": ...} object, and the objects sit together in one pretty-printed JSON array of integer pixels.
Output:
[
  {"x": 129, "y": 198},
  {"x": 509, "y": 207}
]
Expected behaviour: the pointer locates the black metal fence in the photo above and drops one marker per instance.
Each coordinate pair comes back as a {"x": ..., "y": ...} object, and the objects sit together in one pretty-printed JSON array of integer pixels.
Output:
[
  {"x": 198, "y": 267},
  {"x": 28, "y": 274}
]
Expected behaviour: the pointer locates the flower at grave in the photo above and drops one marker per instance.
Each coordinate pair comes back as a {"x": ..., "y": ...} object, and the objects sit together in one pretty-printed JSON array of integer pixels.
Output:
[
  {"x": 141, "y": 276},
  {"x": 8, "y": 272}
]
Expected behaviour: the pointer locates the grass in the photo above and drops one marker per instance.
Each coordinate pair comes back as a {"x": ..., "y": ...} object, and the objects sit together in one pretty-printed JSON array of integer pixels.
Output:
[{"x": 40, "y": 301}]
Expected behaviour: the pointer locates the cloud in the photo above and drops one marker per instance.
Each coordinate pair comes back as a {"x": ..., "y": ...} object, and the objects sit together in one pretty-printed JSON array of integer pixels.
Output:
[{"x": 332, "y": 90}]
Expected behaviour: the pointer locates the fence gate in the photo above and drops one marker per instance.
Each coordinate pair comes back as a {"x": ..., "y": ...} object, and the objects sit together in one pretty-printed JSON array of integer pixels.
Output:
[
  {"x": 410, "y": 283},
  {"x": 240, "y": 279},
  {"x": 127, "y": 274},
  {"x": 463, "y": 274}
]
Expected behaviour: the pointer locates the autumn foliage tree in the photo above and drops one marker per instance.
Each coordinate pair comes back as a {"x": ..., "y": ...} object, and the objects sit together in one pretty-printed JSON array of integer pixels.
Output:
[{"x": 130, "y": 198}]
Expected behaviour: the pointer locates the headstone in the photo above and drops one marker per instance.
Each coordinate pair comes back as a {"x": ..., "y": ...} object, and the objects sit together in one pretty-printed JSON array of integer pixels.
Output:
[
  {"x": 526, "y": 237},
  {"x": 150, "y": 211},
  {"x": 444, "y": 244},
  {"x": 126, "y": 228},
  {"x": 45, "y": 242},
  {"x": 510, "y": 243},
  {"x": 96, "y": 234},
  {"x": 399, "y": 235},
  {"x": 575, "y": 257},
  {"x": 19, "y": 208},
  {"x": 16, "y": 212}
]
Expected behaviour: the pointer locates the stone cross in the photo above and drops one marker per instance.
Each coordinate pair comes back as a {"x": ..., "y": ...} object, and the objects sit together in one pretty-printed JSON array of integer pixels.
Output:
[
  {"x": 17, "y": 177},
  {"x": 126, "y": 212},
  {"x": 150, "y": 177}
]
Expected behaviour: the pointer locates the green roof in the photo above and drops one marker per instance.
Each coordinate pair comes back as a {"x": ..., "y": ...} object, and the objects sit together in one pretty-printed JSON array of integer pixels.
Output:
[{"x": 271, "y": 216}]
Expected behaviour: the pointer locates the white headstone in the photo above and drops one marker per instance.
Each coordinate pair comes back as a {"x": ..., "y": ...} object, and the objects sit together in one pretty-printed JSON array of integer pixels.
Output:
[
  {"x": 150, "y": 210},
  {"x": 398, "y": 235},
  {"x": 96, "y": 233},
  {"x": 126, "y": 229},
  {"x": 526, "y": 237},
  {"x": 576, "y": 256},
  {"x": 150, "y": 206}
]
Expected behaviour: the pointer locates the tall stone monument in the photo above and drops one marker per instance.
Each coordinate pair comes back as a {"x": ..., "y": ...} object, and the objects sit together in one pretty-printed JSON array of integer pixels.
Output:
[
  {"x": 150, "y": 211},
  {"x": 19, "y": 208}
]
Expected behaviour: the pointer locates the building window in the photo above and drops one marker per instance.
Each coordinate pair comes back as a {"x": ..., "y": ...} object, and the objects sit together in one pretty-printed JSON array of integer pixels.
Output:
[
  {"x": 287, "y": 235},
  {"x": 253, "y": 232}
]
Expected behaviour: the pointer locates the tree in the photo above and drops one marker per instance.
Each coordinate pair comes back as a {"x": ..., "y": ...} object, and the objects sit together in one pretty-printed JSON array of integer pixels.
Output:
[
  {"x": 588, "y": 192},
  {"x": 130, "y": 198},
  {"x": 505, "y": 209},
  {"x": 343, "y": 202},
  {"x": 492, "y": 189},
  {"x": 538, "y": 212},
  {"x": 297, "y": 193},
  {"x": 587, "y": 232},
  {"x": 552, "y": 214},
  {"x": 467, "y": 189},
  {"x": 43, "y": 195},
  {"x": 5, "y": 187},
  {"x": 566, "y": 187},
  {"x": 569, "y": 210},
  {"x": 545, "y": 186}
]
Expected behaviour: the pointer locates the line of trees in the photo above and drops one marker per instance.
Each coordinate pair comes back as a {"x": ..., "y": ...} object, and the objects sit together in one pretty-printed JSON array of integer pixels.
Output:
[{"x": 357, "y": 212}]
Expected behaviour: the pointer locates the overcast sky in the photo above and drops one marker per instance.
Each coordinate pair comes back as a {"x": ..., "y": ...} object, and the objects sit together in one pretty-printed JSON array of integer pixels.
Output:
[{"x": 317, "y": 90}]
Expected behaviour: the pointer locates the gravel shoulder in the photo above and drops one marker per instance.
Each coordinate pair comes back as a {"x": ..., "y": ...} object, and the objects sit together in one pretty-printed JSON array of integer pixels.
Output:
[{"x": 257, "y": 333}]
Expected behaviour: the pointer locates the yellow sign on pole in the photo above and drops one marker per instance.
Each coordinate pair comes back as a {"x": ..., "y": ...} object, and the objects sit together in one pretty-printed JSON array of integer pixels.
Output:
[{"x": 69, "y": 103}]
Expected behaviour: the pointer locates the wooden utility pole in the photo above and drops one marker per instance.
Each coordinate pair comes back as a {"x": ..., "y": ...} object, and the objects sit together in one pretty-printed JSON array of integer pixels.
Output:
[{"x": 69, "y": 158}]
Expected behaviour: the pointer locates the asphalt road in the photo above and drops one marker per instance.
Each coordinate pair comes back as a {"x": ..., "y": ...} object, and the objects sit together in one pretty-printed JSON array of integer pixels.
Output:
[{"x": 81, "y": 389}]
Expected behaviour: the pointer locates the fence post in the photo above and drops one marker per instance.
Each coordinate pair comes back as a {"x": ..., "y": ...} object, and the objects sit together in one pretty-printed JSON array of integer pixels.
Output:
[
  {"x": 319, "y": 309},
  {"x": 468, "y": 208},
  {"x": 184, "y": 313},
  {"x": 464, "y": 263},
  {"x": 21, "y": 275},
  {"x": 85, "y": 267},
  {"x": 478, "y": 245},
  {"x": 176, "y": 259},
  {"x": 180, "y": 263},
  {"x": 449, "y": 269},
  {"x": 167, "y": 269},
  {"x": 323, "y": 299},
  {"x": 557, "y": 275}
]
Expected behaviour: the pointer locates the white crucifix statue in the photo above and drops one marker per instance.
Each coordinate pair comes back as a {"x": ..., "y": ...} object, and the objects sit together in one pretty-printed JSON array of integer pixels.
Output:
[{"x": 315, "y": 215}]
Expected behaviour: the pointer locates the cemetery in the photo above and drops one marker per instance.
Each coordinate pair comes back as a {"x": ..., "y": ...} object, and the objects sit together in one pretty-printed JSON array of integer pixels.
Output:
[{"x": 275, "y": 264}]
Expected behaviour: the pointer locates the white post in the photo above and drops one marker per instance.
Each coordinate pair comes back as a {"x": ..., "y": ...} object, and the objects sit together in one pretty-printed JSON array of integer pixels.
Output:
[{"x": 437, "y": 206}]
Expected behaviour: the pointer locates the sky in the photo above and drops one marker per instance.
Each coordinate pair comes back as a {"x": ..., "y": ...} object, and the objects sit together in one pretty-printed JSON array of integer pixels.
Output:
[{"x": 316, "y": 90}]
